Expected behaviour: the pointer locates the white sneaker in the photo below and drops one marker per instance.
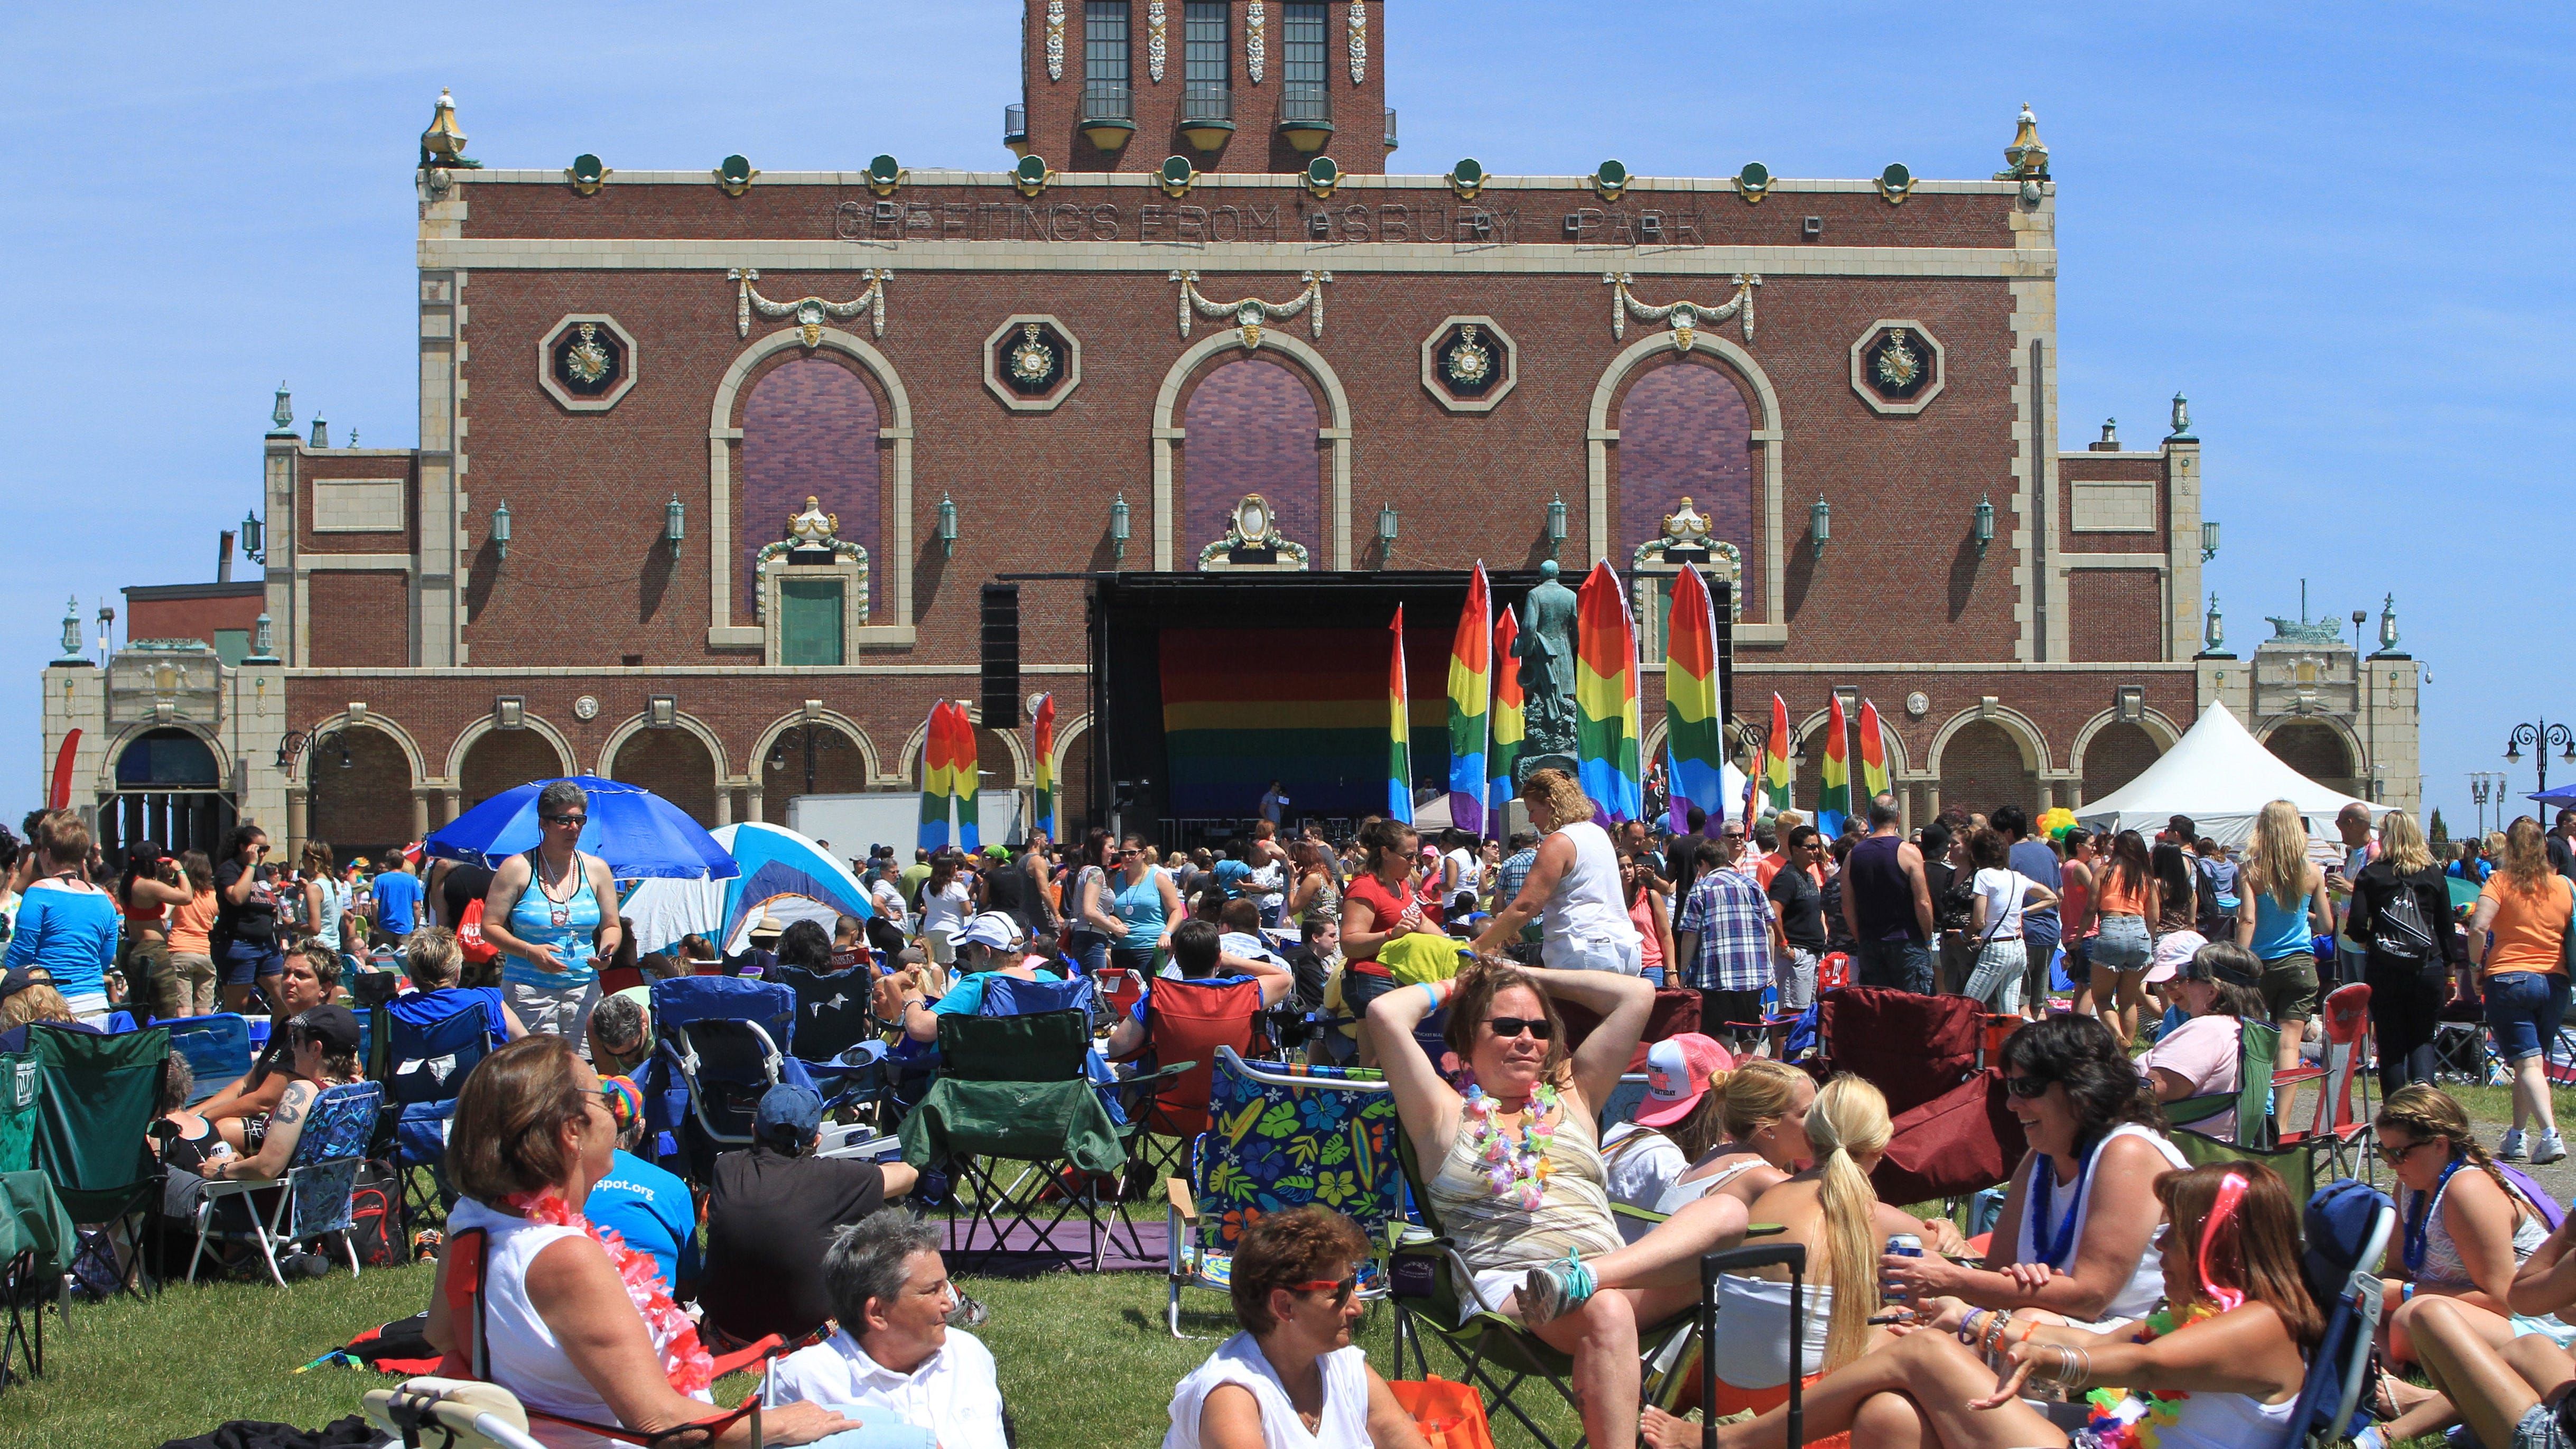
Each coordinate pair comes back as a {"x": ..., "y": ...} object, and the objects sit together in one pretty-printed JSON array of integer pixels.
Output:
[
  {"x": 2548, "y": 1149},
  {"x": 2509, "y": 1148}
]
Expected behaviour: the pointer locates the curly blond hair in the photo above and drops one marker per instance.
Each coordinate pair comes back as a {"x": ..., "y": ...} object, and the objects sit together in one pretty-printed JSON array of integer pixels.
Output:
[{"x": 1558, "y": 791}]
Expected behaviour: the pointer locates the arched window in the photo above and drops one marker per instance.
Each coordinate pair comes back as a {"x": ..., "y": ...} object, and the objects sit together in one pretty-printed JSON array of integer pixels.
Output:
[
  {"x": 2316, "y": 751},
  {"x": 2117, "y": 753},
  {"x": 1982, "y": 770},
  {"x": 1685, "y": 431},
  {"x": 1250, "y": 427},
  {"x": 167, "y": 759},
  {"x": 809, "y": 429}
]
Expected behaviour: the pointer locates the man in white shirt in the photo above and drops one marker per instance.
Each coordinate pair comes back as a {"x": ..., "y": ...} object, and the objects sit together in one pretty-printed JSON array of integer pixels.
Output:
[{"x": 895, "y": 1355}]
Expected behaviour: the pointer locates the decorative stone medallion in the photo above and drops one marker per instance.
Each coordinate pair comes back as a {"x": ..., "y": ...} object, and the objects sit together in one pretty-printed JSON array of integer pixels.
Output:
[
  {"x": 586, "y": 362},
  {"x": 1896, "y": 366},
  {"x": 1469, "y": 364},
  {"x": 1032, "y": 363},
  {"x": 586, "y": 707},
  {"x": 1918, "y": 704}
]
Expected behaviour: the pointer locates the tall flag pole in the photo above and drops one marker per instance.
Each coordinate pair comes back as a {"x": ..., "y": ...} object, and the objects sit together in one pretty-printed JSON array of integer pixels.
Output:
[
  {"x": 1510, "y": 716},
  {"x": 1694, "y": 731},
  {"x": 1775, "y": 759},
  {"x": 1399, "y": 750},
  {"x": 1605, "y": 697},
  {"x": 969, "y": 781},
  {"x": 1833, "y": 801},
  {"x": 938, "y": 778},
  {"x": 1042, "y": 738},
  {"x": 1873, "y": 752},
  {"x": 1471, "y": 681}
]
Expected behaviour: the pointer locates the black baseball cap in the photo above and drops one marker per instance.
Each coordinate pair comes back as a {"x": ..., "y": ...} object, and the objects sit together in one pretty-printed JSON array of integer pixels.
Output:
[{"x": 336, "y": 1027}]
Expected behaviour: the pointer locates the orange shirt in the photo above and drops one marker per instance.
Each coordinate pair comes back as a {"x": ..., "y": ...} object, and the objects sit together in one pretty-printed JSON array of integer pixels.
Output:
[
  {"x": 2117, "y": 901},
  {"x": 189, "y": 924},
  {"x": 2528, "y": 930}
]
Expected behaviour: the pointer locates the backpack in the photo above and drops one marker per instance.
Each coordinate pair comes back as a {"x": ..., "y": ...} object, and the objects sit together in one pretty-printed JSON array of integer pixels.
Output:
[
  {"x": 2208, "y": 917},
  {"x": 469, "y": 936},
  {"x": 375, "y": 1211},
  {"x": 2400, "y": 930}
]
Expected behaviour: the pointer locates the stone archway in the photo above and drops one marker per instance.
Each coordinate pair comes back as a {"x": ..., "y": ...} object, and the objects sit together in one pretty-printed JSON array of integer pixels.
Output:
[
  {"x": 360, "y": 785},
  {"x": 1983, "y": 768},
  {"x": 839, "y": 765},
  {"x": 674, "y": 764},
  {"x": 2116, "y": 754},
  {"x": 501, "y": 760},
  {"x": 2315, "y": 750}
]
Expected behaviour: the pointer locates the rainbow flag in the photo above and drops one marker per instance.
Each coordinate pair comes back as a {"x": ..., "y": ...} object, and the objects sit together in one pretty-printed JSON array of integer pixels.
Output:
[
  {"x": 1510, "y": 717},
  {"x": 1471, "y": 678},
  {"x": 1306, "y": 707},
  {"x": 1605, "y": 697},
  {"x": 1873, "y": 751},
  {"x": 1776, "y": 777},
  {"x": 1694, "y": 727},
  {"x": 939, "y": 776},
  {"x": 1833, "y": 799},
  {"x": 969, "y": 781},
  {"x": 1043, "y": 739},
  {"x": 1399, "y": 715}
]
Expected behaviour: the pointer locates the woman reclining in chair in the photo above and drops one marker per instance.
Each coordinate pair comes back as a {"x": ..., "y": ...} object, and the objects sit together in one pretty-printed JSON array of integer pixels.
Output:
[
  {"x": 2222, "y": 1369},
  {"x": 1515, "y": 1171}
]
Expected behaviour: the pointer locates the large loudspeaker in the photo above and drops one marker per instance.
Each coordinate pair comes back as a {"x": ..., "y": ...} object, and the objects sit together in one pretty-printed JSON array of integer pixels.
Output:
[{"x": 1001, "y": 656}]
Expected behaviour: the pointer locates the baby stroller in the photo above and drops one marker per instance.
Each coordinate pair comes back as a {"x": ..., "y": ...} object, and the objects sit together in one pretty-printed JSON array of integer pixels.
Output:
[{"x": 722, "y": 1043}]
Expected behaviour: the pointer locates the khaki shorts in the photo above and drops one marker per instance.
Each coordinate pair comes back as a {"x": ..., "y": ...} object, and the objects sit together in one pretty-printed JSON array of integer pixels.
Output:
[{"x": 2289, "y": 988}]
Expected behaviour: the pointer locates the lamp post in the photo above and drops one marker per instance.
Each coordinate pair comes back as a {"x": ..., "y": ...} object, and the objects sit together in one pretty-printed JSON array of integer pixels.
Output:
[
  {"x": 1386, "y": 530},
  {"x": 675, "y": 523},
  {"x": 1982, "y": 523},
  {"x": 1820, "y": 526},
  {"x": 1555, "y": 524},
  {"x": 2208, "y": 539},
  {"x": 947, "y": 526},
  {"x": 501, "y": 531},
  {"x": 2478, "y": 793},
  {"x": 2542, "y": 736},
  {"x": 1118, "y": 530},
  {"x": 254, "y": 537}
]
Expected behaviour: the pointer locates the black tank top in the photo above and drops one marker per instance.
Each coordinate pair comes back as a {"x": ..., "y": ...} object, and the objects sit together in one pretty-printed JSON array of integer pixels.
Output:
[{"x": 1880, "y": 894}]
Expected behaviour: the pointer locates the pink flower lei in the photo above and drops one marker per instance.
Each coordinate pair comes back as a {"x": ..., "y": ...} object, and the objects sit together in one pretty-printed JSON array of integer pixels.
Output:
[
  {"x": 685, "y": 1361},
  {"x": 1520, "y": 1170}
]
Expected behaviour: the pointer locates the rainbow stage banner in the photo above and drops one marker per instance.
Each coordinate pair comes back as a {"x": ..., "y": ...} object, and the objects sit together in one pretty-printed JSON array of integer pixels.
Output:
[
  {"x": 1306, "y": 707},
  {"x": 1510, "y": 714},
  {"x": 1470, "y": 715},
  {"x": 1833, "y": 797},
  {"x": 1042, "y": 738},
  {"x": 1605, "y": 697},
  {"x": 1776, "y": 776},
  {"x": 1873, "y": 752},
  {"x": 1694, "y": 729}
]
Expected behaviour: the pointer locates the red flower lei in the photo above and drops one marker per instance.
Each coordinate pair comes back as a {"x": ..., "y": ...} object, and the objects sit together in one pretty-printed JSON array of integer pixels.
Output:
[{"x": 685, "y": 1361}]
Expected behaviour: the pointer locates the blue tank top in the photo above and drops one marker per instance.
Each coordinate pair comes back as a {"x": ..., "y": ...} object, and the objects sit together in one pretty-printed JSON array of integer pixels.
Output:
[
  {"x": 2278, "y": 932},
  {"x": 1141, "y": 906},
  {"x": 567, "y": 926}
]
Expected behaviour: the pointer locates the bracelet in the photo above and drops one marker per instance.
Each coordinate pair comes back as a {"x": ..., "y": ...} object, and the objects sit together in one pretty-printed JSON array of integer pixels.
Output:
[
  {"x": 1429, "y": 992},
  {"x": 1968, "y": 1326},
  {"x": 1995, "y": 1330},
  {"x": 2029, "y": 1327}
]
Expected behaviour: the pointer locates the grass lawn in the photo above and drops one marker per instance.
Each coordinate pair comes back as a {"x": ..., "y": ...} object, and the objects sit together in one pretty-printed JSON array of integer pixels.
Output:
[{"x": 1085, "y": 1360}]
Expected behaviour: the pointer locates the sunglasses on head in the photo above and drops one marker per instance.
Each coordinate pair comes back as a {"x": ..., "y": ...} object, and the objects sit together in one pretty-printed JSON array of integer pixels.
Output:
[
  {"x": 2027, "y": 1088},
  {"x": 1511, "y": 1026},
  {"x": 1341, "y": 1289}
]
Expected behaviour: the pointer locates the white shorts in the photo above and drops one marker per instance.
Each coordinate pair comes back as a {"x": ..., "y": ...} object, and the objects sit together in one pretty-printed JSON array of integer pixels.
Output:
[
  {"x": 1572, "y": 953},
  {"x": 561, "y": 1010}
]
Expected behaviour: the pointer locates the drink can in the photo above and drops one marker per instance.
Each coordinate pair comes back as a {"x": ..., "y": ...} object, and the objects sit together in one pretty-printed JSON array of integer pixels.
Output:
[{"x": 1900, "y": 1245}]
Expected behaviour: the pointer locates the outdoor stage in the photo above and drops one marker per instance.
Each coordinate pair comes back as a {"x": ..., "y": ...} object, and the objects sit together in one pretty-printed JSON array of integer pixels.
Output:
[{"x": 1208, "y": 686}]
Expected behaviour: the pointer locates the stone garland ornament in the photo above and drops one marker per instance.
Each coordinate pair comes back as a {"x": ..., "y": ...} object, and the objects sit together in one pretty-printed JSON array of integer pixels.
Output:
[
  {"x": 1468, "y": 363},
  {"x": 1686, "y": 317},
  {"x": 1055, "y": 40},
  {"x": 1689, "y": 537},
  {"x": 1256, "y": 40},
  {"x": 1898, "y": 368},
  {"x": 1154, "y": 48},
  {"x": 809, "y": 532},
  {"x": 588, "y": 362},
  {"x": 1031, "y": 360},
  {"x": 1253, "y": 528},
  {"x": 1359, "y": 41},
  {"x": 1249, "y": 313},
  {"x": 810, "y": 312}
]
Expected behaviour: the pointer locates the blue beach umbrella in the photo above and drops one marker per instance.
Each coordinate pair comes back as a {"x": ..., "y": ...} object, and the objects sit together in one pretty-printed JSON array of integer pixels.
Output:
[{"x": 641, "y": 835}]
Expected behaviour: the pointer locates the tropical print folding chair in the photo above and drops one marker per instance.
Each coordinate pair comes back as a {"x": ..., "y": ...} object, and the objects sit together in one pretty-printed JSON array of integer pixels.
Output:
[
  {"x": 312, "y": 1197},
  {"x": 1278, "y": 1137},
  {"x": 96, "y": 1097}
]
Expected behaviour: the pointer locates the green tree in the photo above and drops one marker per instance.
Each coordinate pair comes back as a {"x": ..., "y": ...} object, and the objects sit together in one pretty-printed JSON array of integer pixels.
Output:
[{"x": 2439, "y": 833}]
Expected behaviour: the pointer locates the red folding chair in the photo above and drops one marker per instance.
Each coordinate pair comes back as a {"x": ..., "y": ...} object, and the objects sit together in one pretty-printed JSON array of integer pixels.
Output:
[
  {"x": 2335, "y": 1129},
  {"x": 1117, "y": 990}
]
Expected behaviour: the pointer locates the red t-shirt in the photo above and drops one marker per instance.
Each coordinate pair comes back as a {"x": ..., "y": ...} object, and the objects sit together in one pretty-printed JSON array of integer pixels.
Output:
[{"x": 1388, "y": 906}]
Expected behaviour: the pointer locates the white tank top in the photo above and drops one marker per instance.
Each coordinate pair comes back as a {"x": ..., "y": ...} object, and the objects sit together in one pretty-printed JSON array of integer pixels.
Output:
[
  {"x": 1239, "y": 1360},
  {"x": 1587, "y": 904},
  {"x": 522, "y": 1350},
  {"x": 2146, "y": 1286}
]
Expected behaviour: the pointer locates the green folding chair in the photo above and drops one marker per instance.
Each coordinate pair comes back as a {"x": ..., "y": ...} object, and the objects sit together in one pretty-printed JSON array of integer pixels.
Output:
[
  {"x": 96, "y": 1097},
  {"x": 17, "y": 1112},
  {"x": 2251, "y": 1102}
]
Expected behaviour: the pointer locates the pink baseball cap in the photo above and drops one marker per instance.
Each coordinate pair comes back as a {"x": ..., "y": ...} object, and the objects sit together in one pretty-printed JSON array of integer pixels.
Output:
[{"x": 1678, "y": 1069}]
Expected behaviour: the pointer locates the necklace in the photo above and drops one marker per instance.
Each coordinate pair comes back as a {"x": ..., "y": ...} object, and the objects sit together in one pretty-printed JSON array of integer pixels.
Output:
[
  {"x": 1514, "y": 1171},
  {"x": 2419, "y": 1220},
  {"x": 2132, "y": 1418},
  {"x": 684, "y": 1360},
  {"x": 2043, "y": 1189}
]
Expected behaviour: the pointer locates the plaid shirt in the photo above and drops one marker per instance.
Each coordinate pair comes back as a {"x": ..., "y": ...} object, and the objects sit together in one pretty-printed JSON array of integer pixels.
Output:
[
  {"x": 1732, "y": 919},
  {"x": 1509, "y": 877}
]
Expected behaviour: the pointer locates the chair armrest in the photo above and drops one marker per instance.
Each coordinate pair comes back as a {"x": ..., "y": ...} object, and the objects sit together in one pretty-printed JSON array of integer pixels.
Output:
[
  {"x": 235, "y": 1186},
  {"x": 740, "y": 1359},
  {"x": 1185, "y": 1206},
  {"x": 2298, "y": 1074}
]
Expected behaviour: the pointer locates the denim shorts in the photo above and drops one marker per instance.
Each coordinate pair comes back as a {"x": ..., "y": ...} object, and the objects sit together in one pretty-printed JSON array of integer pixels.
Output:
[
  {"x": 2524, "y": 1009},
  {"x": 246, "y": 961},
  {"x": 2121, "y": 945}
]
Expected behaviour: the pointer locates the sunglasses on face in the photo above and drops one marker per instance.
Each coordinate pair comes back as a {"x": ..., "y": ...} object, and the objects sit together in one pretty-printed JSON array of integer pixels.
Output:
[
  {"x": 2028, "y": 1088},
  {"x": 2394, "y": 1156},
  {"x": 1512, "y": 1026},
  {"x": 1340, "y": 1290},
  {"x": 574, "y": 820}
]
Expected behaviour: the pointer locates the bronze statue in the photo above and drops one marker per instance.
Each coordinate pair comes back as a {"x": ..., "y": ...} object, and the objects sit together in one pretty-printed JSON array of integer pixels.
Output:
[{"x": 1546, "y": 650}]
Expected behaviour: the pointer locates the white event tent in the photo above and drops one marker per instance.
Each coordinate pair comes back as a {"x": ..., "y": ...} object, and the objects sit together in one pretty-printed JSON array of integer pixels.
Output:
[{"x": 2222, "y": 778}]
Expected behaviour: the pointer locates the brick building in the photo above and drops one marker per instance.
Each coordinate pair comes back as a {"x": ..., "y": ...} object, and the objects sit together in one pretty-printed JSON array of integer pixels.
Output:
[{"x": 630, "y": 380}]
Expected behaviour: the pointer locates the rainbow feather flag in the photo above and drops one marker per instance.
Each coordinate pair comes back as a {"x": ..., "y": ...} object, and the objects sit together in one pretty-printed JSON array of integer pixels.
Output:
[
  {"x": 1694, "y": 727},
  {"x": 1042, "y": 737},
  {"x": 969, "y": 781},
  {"x": 1833, "y": 799},
  {"x": 1399, "y": 750},
  {"x": 938, "y": 777},
  {"x": 1776, "y": 777},
  {"x": 1471, "y": 679},
  {"x": 1605, "y": 697},
  {"x": 1873, "y": 752},
  {"x": 1510, "y": 713}
]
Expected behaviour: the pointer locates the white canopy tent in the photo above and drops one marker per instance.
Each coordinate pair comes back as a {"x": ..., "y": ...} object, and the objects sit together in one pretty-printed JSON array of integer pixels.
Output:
[{"x": 2222, "y": 778}]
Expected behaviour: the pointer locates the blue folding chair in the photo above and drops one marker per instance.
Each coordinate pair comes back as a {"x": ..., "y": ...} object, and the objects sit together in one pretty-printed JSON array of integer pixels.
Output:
[
  {"x": 432, "y": 1039},
  {"x": 721, "y": 1043},
  {"x": 217, "y": 1048},
  {"x": 313, "y": 1194},
  {"x": 2346, "y": 1227}
]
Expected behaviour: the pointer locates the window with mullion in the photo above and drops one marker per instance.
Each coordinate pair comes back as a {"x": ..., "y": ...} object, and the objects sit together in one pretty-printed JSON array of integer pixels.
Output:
[
  {"x": 1206, "y": 64},
  {"x": 1104, "y": 42},
  {"x": 1304, "y": 63}
]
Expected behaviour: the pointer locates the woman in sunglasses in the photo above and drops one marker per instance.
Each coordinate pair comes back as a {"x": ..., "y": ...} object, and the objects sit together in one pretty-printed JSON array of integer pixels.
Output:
[
  {"x": 2073, "y": 1237},
  {"x": 2220, "y": 1368},
  {"x": 1519, "y": 1183},
  {"x": 1292, "y": 1376},
  {"x": 552, "y": 915}
]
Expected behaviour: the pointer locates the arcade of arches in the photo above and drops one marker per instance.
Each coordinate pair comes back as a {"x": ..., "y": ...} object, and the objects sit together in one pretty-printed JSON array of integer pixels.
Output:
[
  {"x": 504, "y": 760},
  {"x": 360, "y": 788}
]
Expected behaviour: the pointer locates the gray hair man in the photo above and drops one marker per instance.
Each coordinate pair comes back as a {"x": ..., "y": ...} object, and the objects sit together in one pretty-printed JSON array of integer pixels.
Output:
[{"x": 895, "y": 1354}]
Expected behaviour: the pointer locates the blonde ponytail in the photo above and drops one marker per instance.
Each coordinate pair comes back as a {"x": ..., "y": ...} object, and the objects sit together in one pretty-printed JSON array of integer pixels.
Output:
[{"x": 1848, "y": 1120}]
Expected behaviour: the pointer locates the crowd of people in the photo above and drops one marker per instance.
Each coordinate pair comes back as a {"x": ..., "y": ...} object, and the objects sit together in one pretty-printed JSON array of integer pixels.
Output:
[{"x": 1455, "y": 967}]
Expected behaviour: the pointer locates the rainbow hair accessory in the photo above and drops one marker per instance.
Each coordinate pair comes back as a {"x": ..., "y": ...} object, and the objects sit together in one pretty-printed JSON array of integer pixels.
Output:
[
  {"x": 625, "y": 1102},
  {"x": 2231, "y": 1192}
]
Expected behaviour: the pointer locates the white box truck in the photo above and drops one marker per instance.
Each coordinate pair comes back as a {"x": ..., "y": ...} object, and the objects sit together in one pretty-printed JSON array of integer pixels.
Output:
[{"x": 853, "y": 823}]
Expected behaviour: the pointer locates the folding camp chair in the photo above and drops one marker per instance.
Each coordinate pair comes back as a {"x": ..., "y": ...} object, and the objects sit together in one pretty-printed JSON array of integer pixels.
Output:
[
  {"x": 1494, "y": 1351},
  {"x": 2296, "y": 1165},
  {"x": 836, "y": 1033},
  {"x": 1017, "y": 1090},
  {"x": 312, "y": 1195},
  {"x": 17, "y": 1112},
  {"x": 96, "y": 1097},
  {"x": 2346, "y": 1230},
  {"x": 722, "y": 1043},
  {"x": 1913, "y": 1048},
  {"x": 2333, "y": 1131},
  {"x": 1278, "y": 1137},
  {"x": 1186, "y": 1024},
  {"x": 429, "y": 1044},
  {"x": 2251, "y": 1103},
  {"x": 217, "y": 1048},
  {"x": 38, "y": 1241}
]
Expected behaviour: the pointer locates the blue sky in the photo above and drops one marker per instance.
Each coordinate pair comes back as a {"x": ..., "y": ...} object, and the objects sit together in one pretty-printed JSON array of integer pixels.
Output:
[{"x": 2342, "y": 232}]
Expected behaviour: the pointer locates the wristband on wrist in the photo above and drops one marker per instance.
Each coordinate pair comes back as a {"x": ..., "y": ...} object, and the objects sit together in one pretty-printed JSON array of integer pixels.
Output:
[
  {"x": 1430, "y": 993},
  {"x": 1968, "y": 1327}
]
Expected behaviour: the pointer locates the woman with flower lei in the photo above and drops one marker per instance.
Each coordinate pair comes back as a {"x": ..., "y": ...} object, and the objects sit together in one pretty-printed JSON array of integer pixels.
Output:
[
  {"x": 1515, "y": 1171},
  {"x": 575, "y": 1323},
  {"x": 2220, "y": 1368}
]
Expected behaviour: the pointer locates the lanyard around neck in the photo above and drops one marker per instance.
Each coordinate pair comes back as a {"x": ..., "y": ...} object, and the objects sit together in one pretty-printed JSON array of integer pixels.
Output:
[{"x": 2419, "y": 1222}]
